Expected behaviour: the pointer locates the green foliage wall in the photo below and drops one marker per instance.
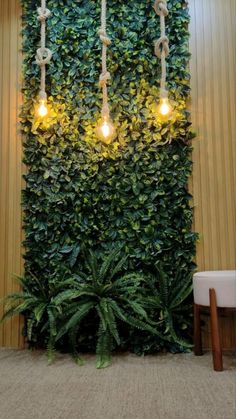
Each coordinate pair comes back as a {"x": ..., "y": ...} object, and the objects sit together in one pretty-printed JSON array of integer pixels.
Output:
[{"x": 132, "y": 192}]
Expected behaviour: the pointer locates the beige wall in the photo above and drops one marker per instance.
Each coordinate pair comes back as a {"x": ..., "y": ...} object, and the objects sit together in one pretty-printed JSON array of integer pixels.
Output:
[
  {"x": 213, "y": 64},
  {"x": 213, "y": 72},
  {"x": 10, "y": 161}
]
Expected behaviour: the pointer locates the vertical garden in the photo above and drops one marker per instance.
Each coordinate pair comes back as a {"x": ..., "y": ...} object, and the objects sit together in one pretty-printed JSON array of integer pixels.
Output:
[{"x": 85, "y": 198}]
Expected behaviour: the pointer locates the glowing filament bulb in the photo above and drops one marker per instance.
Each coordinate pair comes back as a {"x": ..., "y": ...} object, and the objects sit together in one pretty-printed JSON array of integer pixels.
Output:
[
  {"x": 42, "y": 110},
  {"x": 106, "y": 131},
  {"x": 164, "y": 108}
]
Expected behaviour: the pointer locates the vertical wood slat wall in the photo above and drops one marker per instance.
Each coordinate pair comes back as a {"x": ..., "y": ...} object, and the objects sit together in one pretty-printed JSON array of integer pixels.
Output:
[
  {"x": 213, "y": 107},
  {"x": 213, "y": 71},
  {"x": 10, "y": 162}
]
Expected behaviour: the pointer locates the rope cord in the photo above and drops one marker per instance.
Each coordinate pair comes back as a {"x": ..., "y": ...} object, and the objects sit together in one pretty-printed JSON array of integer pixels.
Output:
[
  {"x": 105, "y": 75},
  {"x": 162, "y": 44},
  {"x": 43, "y": 54}
]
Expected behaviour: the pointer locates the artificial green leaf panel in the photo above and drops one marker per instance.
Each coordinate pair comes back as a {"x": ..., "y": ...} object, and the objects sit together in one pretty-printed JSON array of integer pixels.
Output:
[{"x": 133, "y": 193}]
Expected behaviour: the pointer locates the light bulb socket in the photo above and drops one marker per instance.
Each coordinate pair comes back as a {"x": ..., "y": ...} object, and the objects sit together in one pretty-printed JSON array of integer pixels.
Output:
[
  {"x": 42, "y": 95},
  {"x": 163, "y": 94},
  {"x": 105, "y": 113}
]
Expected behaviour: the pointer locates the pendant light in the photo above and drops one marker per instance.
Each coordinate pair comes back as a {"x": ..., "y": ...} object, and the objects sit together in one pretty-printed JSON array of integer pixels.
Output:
[
  {"x": 164, "y": 108},
  {"x": 105, "y": 130},
  {"x": 43, "y": 57}
]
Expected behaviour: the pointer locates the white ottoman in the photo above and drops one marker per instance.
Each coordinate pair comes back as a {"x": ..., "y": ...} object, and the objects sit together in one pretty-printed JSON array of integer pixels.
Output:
[{"x": 213, "y": 289}]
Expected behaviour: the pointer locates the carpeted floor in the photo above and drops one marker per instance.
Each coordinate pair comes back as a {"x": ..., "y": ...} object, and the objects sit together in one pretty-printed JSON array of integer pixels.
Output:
[{"x": 153, "y": 387}]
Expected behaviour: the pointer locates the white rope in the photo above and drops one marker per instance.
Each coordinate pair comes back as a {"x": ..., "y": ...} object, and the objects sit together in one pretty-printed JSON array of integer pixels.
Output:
[
  {"x": 105, "y": 75},
  {"x": 43, "y": 54},
  {"x": 162, "y": 44}
]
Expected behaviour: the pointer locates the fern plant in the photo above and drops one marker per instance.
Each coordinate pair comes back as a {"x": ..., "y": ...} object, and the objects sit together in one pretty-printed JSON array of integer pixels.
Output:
[
  {"x": 112, "y": 296},
  {"x": 37, "y": 303},
  {"x": 170, "y": 297}
]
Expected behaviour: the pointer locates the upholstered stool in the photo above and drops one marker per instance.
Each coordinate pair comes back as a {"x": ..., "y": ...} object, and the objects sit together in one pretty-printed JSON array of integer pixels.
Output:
[{"x": 213, "y": 289}]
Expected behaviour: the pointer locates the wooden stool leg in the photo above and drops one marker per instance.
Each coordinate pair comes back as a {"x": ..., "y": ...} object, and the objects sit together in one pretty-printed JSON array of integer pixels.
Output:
[
  {"x": 197, "y": 330},
  {"x": 215, "y": 336}
]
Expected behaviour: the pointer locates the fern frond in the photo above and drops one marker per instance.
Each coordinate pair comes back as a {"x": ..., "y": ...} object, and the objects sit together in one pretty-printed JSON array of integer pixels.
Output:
[
  {"x": 179, "y": 282},
  {"x": 129, "y": 282},
  {"x": 51, "y": 353},
  {"x": 173, "y": 335},
  {"x": 137, "y": 308},
  {"x": 153, "y": 302},
  {"x": 39, "y": 310},
  {"x": 102, "y": 317},
  {"x": 103, "y": 349},
  {"x": 30, "y": 325},
  {"x": 152, "y": 281},
  {"x": 52, "y": 322},
  {"x": 65, "y": 284},
  {"x": 82, "y": 311},
  {"x": 80, "y": 278},
  {"x": 107, "y": 265},
  {"x": 118, "y": 267},
  {"x": 71, "y": 308},
  {"x": 163, "y": 287},
  {"x": 73, "y": 345},
  {"x": 45, "y": 326},
  {"x": 17, "y": 296},
  {"x": 112, "y": 325},
  {"x": 92, "y": 264},
  {"x": 64, "y": 296},
  {"x": 17, "y": 309},
  {"x": 23, "y": 282},
  {"x": 134, "y": 322},
  {"x": 181, "y": 296},
  {"x": 108, "y": 319},
  {"x": 41, "y": 287}
]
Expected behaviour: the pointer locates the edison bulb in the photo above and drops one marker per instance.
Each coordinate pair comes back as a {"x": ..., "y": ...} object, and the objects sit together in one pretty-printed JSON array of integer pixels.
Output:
[
  {"x": 106, "y": 131},
  {"x": 164, "y": 108},
  {"x": 42, "y": 110}
]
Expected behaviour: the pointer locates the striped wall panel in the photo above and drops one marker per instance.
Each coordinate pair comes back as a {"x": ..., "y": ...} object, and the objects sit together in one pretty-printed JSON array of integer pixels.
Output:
[
  {"x": 213, "y": 73},
  {"x": 10, "y": 161}
]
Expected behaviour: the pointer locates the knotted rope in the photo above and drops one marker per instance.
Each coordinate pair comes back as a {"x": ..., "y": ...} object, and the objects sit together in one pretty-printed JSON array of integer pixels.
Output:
[
  {"x": 43, "y": 54},
  {"x": 105, "y": 75},
  {"x": 162, "y": 44}
]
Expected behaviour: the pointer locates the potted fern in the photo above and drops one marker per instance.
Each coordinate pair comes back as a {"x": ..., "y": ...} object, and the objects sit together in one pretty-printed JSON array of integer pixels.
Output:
[
  {"x": 170, "y": 298},
  {"x": 112, "y": 296},
  {"x": 41, "y": 310}
]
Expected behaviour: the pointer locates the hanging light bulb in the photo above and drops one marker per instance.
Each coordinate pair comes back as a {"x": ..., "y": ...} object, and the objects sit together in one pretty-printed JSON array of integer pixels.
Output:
[
  {"x": 43, "y": 57},
  {"x": 42, "y": 109},
  {"x": 106, "y": 131},
  {"x": 164, "y": 108}
]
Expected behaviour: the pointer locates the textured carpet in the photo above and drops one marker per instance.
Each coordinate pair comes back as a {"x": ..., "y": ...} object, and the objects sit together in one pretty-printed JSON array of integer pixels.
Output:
[{"x": 153, "y": 387}]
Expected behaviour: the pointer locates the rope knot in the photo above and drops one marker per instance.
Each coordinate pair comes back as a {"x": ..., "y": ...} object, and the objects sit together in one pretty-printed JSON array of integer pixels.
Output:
[
  {"x": 43, "y": 56},
  {"x": 160, "y": 7},
  {"x": 162, "y": 44},
  {"x": 103, "y": 78},
  {"x": 103, "y": 37},
  {"x": 43, "y": 14}
]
